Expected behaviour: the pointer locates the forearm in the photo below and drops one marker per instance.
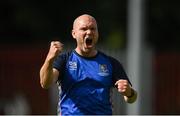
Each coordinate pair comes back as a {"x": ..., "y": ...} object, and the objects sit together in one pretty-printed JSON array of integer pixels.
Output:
[
  {"x": 132, "y": 98},
  {"x": 46, "y": 74}
]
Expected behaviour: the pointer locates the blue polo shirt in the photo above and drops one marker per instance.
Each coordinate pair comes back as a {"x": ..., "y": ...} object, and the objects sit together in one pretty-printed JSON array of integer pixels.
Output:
[{"x": 86, "y": 82}]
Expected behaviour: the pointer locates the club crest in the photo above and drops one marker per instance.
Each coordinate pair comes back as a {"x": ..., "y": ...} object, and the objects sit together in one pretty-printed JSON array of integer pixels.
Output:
[{"x": 103, "y": 70}]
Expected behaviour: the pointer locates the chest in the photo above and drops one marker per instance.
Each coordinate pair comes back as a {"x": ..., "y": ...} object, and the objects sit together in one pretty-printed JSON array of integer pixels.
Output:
[{"x": 98, "y": 70}]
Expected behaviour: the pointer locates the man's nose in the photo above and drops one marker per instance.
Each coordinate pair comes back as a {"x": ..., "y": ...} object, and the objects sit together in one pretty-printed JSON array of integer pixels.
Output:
[{"x": 89, "y": 31}]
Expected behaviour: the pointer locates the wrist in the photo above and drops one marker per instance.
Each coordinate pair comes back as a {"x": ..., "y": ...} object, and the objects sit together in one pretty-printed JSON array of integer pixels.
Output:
[
  {"x": 131, "y": 98},
  {"x": 49, "y": 59},
  {"x": 132, "y": 93}
]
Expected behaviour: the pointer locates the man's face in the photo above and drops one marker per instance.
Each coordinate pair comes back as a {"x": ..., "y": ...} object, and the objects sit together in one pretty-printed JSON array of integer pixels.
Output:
[{"x": 86, "y": 33}]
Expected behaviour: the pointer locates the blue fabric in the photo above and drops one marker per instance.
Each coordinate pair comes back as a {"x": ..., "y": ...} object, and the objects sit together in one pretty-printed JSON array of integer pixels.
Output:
[{"x": 86, "y": 83}]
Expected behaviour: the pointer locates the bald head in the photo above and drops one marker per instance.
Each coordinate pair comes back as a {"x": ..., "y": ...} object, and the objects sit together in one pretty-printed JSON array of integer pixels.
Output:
[
  {"x": 84, "y": 17},
  {"x": 85, "y": 32}
]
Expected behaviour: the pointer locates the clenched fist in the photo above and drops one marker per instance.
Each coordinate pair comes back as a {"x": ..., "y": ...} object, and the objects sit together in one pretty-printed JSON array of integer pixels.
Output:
[
  {"x": 55, "y": 48},
  {"x": 123, "y": 87}
]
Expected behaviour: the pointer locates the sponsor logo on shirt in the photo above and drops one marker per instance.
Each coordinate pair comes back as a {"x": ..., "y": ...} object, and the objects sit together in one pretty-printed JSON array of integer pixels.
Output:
[
  {"x": 72, "y": 65},
  {"x": 103, "y": 70}
]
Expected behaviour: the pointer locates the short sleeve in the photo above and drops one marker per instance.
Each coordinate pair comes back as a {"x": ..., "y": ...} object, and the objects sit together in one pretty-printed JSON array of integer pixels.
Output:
[
  {"x": 118, "y": 71},
  {"x": 59, "y": 62}
]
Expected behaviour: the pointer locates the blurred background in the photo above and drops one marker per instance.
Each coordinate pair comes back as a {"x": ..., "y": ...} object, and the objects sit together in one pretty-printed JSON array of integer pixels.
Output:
[{"x": 144, "y": 35}]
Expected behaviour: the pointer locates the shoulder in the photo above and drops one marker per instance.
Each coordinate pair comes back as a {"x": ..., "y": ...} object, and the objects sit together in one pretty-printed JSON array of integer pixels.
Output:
[
  {"x": 110, "y": 58},
  {"x": 65, "y": 55},
  {"x": 61, "y": 59}
]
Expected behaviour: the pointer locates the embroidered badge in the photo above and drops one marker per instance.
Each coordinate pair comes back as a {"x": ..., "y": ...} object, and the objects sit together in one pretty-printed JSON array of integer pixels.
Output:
[
  {"x": 72, "y": 65},
  {"x": 103, "y": 70}
]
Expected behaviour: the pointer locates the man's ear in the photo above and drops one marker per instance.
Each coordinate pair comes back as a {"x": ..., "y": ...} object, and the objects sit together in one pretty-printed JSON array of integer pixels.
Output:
[{"x": 73, "y": 34}]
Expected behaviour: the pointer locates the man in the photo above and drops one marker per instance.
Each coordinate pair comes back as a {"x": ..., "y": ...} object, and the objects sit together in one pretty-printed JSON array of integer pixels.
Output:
[{"x": 85, "y": 74}]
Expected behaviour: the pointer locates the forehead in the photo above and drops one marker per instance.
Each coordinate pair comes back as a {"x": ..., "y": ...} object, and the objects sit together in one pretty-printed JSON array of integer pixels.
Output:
[{"x": 84, "y": 21}]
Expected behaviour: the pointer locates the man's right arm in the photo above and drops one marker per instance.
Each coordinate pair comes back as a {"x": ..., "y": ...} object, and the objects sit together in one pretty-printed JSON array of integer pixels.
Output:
[{"x": 48, "y": 74}]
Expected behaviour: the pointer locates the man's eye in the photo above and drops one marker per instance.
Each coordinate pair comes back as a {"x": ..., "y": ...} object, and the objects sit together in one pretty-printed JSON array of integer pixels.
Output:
[
  {"x": 83, "y": 29},
  {"x": 92, "y": 28}
]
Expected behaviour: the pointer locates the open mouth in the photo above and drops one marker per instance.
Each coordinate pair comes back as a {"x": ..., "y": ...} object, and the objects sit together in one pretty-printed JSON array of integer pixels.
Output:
[{"x": 88, "y": 41}]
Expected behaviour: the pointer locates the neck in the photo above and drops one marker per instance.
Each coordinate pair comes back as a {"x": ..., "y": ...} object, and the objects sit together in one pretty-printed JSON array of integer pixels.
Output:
[{"x": 89, "y": 53}]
